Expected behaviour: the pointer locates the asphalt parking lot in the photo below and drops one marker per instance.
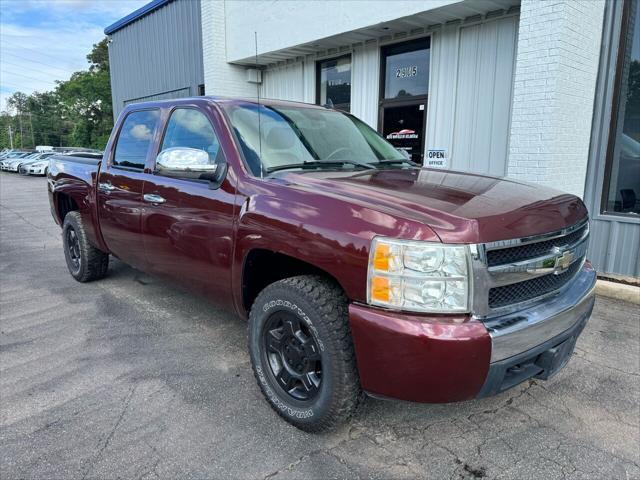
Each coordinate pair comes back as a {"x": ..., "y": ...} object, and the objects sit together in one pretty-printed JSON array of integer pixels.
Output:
[{"x": 131, "y": 377}]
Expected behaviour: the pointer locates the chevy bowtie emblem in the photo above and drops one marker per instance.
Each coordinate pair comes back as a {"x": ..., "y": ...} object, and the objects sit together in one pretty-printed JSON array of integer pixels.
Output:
[{"x": 563, "y": 261}]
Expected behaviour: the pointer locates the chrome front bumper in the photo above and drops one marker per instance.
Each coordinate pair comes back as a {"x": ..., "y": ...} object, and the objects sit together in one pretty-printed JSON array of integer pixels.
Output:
[{"x": 520, "y": 331}]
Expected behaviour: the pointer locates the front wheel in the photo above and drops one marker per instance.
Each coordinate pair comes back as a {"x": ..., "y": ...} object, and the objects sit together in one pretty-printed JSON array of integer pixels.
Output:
[
  {"x": 302, "y": 353},
  {"x": 84, "y": 261}
]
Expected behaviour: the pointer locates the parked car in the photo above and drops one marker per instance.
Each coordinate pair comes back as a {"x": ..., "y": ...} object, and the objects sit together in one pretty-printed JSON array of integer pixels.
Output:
[
  {"x": 12, "y": 161},
  {"x": 8, "y": 151},
  {"x": 37, "y": 165},
  {"x": 41, "y": 167},
  {"x": 358, "y": 271}
]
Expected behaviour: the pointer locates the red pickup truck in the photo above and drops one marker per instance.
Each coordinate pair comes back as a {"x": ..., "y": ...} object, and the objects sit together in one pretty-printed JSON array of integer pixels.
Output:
[{"x": 359, "y": 272}]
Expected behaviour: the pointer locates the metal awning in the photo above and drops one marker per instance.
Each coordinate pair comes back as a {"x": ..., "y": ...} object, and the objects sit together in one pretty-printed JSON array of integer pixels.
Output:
[{"x": 468, "y": 11}]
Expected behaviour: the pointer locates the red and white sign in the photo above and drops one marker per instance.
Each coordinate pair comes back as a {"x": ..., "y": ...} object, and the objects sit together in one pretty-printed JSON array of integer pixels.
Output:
[{"x": 402, "y": 134}]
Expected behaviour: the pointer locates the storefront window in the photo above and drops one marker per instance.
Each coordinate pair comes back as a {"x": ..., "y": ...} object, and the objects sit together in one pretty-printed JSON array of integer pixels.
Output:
[
  {"x": 622, "y": 179},
  {"x": 406, "y": 69},
  {"x": 404, "y": 94},
  {"x": 334, "y": 83}
]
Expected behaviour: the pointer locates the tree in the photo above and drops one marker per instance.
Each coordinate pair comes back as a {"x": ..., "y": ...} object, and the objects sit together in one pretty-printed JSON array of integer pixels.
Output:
[{"x": 98, "y": 58}]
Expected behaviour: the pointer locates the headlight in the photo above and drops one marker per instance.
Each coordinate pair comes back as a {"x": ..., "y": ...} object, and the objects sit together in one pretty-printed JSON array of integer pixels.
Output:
[
  {"x": 418, "y": 276},
  {"x": 40, "y": 164}
]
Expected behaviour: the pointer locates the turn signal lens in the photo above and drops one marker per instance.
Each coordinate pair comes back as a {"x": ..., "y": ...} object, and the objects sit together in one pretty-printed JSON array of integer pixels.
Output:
[
  {"x": 381, "y": 257},
  {"x": 380, "y": 289},
  {"x": 418, "y": 276}
]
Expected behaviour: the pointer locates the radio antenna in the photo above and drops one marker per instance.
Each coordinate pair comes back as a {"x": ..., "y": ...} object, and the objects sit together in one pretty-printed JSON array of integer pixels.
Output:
[{"x": 255, "y": 36}]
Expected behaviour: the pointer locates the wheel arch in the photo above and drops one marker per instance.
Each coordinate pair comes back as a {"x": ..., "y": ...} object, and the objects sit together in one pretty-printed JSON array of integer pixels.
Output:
[
  {"x": 262, "y": 267},
  {"x": 65, "y": 203}
]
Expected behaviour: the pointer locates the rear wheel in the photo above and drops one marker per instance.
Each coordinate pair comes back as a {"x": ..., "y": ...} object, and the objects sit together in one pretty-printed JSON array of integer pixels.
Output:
[
  {"x": 84, "y": 261},
  {"x": 302, "y": 353}
]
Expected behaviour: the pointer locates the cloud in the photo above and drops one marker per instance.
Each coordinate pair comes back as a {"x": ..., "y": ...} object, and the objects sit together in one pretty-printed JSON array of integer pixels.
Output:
[
  {"x": 42, "y": 41},
  {"x": 140, "y": 132}
]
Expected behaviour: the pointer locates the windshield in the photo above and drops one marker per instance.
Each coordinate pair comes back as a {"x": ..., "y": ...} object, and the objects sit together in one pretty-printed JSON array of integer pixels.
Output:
[{"x": 287, "y": 136}]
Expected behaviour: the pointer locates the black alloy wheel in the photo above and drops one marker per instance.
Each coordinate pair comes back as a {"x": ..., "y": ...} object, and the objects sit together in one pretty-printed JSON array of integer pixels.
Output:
[
  {"x": 302, "y": 352},
  {"x": 84, "y": 261},
  {"x": 293, "y": 356},
  {"x": 73, "y": 250}
]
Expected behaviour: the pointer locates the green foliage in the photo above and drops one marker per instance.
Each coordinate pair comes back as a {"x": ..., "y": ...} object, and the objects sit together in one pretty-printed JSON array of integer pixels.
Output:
[{"x": 77, "y": 112}]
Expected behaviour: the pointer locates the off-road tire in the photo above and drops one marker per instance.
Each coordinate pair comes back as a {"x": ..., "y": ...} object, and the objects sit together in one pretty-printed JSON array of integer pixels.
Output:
[
  {"x": 93, "y": 263},
  {"x": 323, "y": 307}
]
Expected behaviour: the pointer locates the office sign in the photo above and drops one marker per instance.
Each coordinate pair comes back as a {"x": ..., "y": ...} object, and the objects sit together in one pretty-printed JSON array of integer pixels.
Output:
[{"x": 437, "y": 158}]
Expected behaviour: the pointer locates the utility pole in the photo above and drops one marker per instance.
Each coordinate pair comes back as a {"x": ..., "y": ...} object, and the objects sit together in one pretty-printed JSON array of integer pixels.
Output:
[
  {"x": 33, "y": 141},
  {"x": 20, "y": 123},
  {"x": 10, "y": 137}
]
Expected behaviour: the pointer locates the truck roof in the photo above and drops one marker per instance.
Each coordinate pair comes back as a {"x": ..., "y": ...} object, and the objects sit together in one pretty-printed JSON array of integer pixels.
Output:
[{"x": 223, "y": 100}]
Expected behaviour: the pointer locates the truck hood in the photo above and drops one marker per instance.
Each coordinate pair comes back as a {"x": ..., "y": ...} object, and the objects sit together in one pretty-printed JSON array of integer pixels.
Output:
[{"x": 459, "y": 207}]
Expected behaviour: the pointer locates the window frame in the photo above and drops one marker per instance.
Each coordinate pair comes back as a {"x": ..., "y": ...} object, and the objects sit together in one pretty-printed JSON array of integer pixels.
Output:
[
  {"x": 319, "y": 75},
  {"x": 384, "y": 49},
  {"x": 221, "y": 154},
  {"x": 112, "y": 154},
  {"x": 615, "y": 110}
]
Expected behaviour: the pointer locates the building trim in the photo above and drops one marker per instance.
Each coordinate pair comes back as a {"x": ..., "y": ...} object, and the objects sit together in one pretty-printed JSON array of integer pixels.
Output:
[
  {"x": 603, "y": 122},
  {"x": 135, "y": 15},
  {"x": 615, "y": 239}
]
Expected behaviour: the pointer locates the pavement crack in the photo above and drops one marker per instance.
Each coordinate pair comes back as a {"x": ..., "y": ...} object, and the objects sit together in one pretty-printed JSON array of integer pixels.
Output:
[
  {"x": 602, "y": 365},
  {"x": 105, "y": 444},
  {"x": 26, "y": 220}
]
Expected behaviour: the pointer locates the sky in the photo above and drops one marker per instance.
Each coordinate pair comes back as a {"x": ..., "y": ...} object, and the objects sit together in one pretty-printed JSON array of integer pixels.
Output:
[{"x": 42, "y": 41}]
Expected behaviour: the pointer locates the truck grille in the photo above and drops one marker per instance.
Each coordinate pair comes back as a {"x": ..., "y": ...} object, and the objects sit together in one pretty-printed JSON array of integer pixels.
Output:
[
  {"x": 510, "y": 272},
  {"x": 533, "y": 250},
  {"x": 529, "y": 289}
]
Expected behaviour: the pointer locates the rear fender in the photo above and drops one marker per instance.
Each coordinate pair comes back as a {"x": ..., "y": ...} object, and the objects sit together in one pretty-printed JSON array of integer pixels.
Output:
[{"x": 75, "y": 183}]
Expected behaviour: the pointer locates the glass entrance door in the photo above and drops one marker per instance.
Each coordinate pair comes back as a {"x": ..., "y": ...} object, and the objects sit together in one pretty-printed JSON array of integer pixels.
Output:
[
  {"x": 403, "y": 126},
  {"x": 404, "y": 94}
]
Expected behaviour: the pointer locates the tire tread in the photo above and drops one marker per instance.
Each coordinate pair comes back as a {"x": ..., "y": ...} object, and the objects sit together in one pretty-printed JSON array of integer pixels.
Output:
[
  {"x": 96, "y": 262},
  {"x": 331, "y": 305}
]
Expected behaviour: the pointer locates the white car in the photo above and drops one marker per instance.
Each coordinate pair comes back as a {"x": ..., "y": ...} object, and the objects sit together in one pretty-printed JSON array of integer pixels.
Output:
[
  {"x": 12, "y": 163},
  {"x": 25, "y": 167},
  {"x": 10, "y": 157},
  {"x": 39, "y": 167}
]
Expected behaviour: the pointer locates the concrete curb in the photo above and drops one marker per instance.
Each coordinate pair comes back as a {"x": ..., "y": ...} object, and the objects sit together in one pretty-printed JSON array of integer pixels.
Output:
[{"x": 619, "y": 291}]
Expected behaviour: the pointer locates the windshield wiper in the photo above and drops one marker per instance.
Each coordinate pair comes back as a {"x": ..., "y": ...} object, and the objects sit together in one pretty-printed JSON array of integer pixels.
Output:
[
  {"x": 393, "y": 161},
  {"x": 307, "y": 164}
]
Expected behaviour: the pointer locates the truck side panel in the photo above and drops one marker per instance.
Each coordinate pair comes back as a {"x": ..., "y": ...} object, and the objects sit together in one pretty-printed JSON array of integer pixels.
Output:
[{"x": 72, "y": 186}]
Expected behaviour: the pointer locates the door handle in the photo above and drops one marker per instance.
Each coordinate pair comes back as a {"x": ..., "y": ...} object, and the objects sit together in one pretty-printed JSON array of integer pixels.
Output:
[
  {"x": 106, "y": 187},
  {"x": 152, "y": 198}
]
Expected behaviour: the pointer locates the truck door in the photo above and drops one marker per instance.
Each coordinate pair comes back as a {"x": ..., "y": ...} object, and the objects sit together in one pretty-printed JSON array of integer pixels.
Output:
[
  {"x": 120, "y": 185},
  {"x": 187, "y": 223}
]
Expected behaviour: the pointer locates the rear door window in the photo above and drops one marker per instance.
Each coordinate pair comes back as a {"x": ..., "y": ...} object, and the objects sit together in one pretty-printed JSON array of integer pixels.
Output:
[{"x": 135, "y": 138}]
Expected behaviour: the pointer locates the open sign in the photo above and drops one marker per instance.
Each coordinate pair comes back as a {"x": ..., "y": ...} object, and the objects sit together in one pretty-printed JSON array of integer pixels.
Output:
[{"x": 436, "y": 158}]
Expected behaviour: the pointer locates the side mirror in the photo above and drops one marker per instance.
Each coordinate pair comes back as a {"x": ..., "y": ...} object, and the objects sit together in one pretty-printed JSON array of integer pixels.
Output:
[{"x": 186, "y": 163}]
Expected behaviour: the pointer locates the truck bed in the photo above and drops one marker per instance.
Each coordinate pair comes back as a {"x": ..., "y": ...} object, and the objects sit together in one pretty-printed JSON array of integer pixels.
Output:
[{"x": 85, "y": 158}]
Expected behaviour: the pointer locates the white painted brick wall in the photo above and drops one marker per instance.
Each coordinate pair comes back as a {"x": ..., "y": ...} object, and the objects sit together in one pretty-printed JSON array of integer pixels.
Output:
[
  {"x": 554, "y": 87},
  {"x": 220, "y": 77}
]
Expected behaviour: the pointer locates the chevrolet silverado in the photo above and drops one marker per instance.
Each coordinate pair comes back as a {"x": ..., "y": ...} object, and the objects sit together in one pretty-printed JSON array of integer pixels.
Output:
[{"x": 359, "y": 271}]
